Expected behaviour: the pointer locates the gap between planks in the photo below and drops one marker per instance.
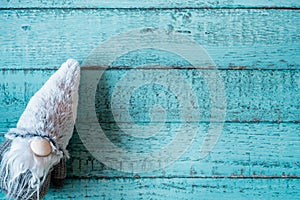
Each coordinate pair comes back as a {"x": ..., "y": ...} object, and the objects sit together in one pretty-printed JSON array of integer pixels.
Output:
[
  {"x": 181, "y": 177},
  {"x": 231, "y": 68},
  {"x": 158, "y": 8}
]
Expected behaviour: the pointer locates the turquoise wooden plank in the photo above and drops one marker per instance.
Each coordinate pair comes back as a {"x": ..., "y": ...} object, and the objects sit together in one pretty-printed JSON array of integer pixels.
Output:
[
  {"x": 17, "y": 87},
  {"x": 245, "y": 150},
  {"x": 150, "y": 4},
  {"x": 251, "y": 95},
  {"x": 234, "y": 38},
  {"x": 177, "y": 189}
]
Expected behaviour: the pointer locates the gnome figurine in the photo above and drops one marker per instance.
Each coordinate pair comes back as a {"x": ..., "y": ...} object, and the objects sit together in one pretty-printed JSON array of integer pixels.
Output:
[{"x": 35, "y": 151}]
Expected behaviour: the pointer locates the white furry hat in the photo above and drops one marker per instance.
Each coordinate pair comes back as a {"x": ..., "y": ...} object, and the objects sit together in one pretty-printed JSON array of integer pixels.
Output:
[{"x": 47, "y": 123}]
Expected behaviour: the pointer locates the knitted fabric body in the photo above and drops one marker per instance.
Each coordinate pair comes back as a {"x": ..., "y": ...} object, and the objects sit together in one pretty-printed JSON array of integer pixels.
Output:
[{"x": 50, "y": 115}]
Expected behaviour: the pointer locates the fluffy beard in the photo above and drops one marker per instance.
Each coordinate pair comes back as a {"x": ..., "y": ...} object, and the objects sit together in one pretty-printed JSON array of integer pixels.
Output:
[{"x": 22, "y": 172}]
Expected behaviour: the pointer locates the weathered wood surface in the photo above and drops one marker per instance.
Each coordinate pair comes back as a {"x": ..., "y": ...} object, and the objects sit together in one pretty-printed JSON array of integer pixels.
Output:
[
  {"x": 234, "y": 38},
  {"x": 249, "y": 161},
  {"x": 251, "y": 95},
  {"x": 244, "y": 150},
  {"x": 150, "y": 4},
  {"x": 264, "y": 149},
  {"x": 177, "y": 188}
]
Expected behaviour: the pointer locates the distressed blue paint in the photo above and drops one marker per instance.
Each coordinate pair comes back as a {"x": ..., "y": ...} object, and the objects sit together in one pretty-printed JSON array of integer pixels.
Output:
[
  {"x": 252, "y": 39},
  {"x": 185, "y": 189},
  {"x": 16, "y": 89},
  {"x": 149, "y": 4},
  {"x": 243, "y": 150},
  {"x": 264, "y": 156},
  {"x": 252, "y": 95}
]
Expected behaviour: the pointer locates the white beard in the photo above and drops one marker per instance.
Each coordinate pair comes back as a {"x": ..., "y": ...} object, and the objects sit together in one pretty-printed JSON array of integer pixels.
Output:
[{"x": 23, "y": 172}]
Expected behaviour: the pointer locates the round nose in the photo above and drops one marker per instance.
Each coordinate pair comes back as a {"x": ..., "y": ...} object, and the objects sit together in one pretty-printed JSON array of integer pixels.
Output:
[{"x": 40, "y": 147}]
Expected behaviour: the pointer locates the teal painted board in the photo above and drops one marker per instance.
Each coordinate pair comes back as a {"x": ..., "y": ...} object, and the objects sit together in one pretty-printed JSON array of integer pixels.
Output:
[
  {"x": 16, "y": 89},
  {"x": 244, "y": 150},
  {"x": 150, "y": 4},
  {"x": 234, "y": 38},
  {"x": 251, "y": 95},
  {"x": 176, "y": 188}
]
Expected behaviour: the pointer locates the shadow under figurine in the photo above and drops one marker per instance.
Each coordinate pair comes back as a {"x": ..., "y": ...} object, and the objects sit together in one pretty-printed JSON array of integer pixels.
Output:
[{"x": 35, "y": 151}]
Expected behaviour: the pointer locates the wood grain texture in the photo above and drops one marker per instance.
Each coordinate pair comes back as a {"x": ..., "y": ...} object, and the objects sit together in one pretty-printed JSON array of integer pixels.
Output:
[
  {"x": 256, "y": 47},
  {"x": 188, "y": 189},
  {"x": 234, "y": 38},
  {"x": 244, "y": 150},
  {"x": 150, "y": 4},
  {"x": 251, "y": 95}
]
